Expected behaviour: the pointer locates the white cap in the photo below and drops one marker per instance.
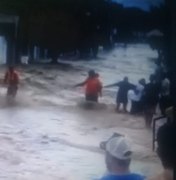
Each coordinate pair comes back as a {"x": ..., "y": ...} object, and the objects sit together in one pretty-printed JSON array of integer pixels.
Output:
[{"x": 119, "y": 148}]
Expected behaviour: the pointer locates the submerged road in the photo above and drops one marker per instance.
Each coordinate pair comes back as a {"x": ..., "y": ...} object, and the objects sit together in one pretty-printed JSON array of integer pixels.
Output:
[{"x": 52, "y": 143}]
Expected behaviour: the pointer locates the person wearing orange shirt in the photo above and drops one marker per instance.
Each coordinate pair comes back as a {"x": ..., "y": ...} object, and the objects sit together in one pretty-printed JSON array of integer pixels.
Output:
[
  {"x": 93, "y": 86},
  {"x": 11, "y": 79}
]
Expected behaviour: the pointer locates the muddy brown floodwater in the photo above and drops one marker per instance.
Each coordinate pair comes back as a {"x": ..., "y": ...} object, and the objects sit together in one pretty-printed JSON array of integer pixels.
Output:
[
  {"x": 46, "y": 134},
  {"x": 61, "y": 143}
]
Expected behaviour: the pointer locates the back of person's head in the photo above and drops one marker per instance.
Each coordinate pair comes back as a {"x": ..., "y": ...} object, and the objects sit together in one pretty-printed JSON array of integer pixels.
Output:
[
  {"x": 152, "y": 78},
  {"x": 91, "y": 73},
  {"x": 118, "y": 154},
  {"x": 164, "y": 76},
  {"x": 125, "y": 79},
  {"x": 142, "y": 82},
  {"x": 167, "y": 145},
  {"x": 114, "y": 164}
]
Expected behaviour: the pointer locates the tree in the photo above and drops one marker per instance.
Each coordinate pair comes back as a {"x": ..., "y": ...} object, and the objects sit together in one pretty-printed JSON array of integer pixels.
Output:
[{"x": 76, "y": 25}]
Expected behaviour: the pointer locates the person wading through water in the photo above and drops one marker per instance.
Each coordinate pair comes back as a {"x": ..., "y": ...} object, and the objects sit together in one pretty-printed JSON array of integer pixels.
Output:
[
  {"x": 11, "y": 79},
  {"x": 151, "y": 97},
  {"x": 93, "y": 86},
  {"x": 122, "y": 95}
]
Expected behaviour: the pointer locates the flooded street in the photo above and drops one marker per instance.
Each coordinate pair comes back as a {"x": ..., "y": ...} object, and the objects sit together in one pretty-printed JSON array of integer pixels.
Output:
[
  {"x": 51, "y": 144},
  {"x": 46, "y": 133}
]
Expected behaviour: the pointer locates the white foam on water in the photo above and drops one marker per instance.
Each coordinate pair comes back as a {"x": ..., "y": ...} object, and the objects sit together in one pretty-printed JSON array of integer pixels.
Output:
[
  {"x": 45, "y": 135},
  {"x": 133, "y": 61},
  {"x": 51, "y": 143}
]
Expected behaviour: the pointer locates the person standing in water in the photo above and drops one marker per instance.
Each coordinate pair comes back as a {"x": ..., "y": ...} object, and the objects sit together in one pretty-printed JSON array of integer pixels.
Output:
[
  {"x": 12, "y": 80},
  {"x": 165, "y": 99},
  {"x": 122, "y": 94},
  {"x": 151, "y": 97},
  {"x": 93, "y": 86},
  {"x": 136, "y": 97}
]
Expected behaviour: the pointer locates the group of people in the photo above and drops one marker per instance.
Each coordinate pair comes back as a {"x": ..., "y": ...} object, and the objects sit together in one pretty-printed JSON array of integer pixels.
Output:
[
  {"x": 151, "y": 95},
  {"x": 144, "y": 96},
  {"x": 118, "y": 156},
  {"x": 93, "y": 89}
]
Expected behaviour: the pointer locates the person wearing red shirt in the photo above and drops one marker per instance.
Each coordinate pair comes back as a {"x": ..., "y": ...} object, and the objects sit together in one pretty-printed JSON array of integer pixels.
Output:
[
  {"x": 93, "y": 86},
  {"x": 12, "y": 80}
]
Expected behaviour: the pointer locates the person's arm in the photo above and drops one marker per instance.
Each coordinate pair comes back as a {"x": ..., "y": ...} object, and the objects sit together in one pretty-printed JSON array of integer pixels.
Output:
[
  {"x": 112, "y": 85},
  {"x": 81, "y": 84}
]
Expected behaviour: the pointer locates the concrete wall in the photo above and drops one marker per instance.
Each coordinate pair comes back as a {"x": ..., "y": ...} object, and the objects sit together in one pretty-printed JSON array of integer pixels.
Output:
[{"x": 3, "y": 50}]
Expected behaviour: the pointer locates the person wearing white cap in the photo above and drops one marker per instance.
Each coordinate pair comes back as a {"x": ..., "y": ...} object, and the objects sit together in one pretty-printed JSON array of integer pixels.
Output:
[{"x": 118, "y": 158}]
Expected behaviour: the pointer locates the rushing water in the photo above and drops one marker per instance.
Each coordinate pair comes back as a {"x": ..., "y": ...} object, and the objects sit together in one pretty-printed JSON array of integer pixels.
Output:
[
  {"x": 44, "y": 134},
  {"x": 53, "y": 143}
]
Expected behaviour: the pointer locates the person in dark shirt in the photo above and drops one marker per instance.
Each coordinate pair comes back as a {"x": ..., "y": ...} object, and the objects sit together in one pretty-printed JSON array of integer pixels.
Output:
[
  {"x": 165, "y": 98},
  {"x": 151, "y": 97},
  {"x": 122, "y": 94}
]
